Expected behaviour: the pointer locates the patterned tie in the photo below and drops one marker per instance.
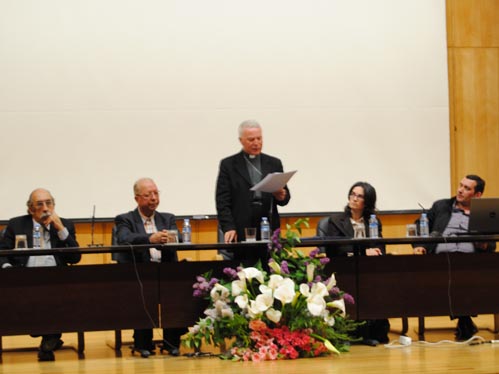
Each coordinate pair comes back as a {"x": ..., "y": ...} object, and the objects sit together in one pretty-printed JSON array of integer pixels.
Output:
[{"x": 151, "y": 229}]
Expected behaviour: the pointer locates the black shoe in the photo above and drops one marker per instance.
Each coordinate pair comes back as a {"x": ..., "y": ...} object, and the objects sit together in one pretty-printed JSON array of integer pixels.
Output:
[
  {"x": 51, "y": 344},
  {"x": 170, "y": 348},
  {"x": 174, "y": 352},
  {"x": 466, "y": 329},
  {"x": 144, "y": 353},
  {"x": 46, "y": 356}
]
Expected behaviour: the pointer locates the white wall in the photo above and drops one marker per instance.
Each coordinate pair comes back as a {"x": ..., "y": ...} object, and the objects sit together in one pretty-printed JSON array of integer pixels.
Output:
[{"x": 97, "y": 93}]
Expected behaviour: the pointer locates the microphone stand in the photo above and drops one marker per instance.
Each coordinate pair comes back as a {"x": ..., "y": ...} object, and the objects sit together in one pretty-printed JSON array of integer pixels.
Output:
[
  {"x": 271, "y": 211},
  {"x": 92, "y": 229}
]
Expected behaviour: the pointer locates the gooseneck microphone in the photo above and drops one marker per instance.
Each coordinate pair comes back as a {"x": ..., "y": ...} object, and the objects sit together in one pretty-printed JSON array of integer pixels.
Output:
[{"x": 92, "y": 227}]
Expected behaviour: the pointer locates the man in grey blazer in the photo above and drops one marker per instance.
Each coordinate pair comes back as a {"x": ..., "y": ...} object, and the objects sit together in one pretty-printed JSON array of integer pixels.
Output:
[
  {"x": 237, "y": 206},
  {"x": 145, "y": 225}
]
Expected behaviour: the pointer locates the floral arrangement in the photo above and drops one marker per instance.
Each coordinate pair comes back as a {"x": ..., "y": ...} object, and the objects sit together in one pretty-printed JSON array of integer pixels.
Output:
[{"x": 293, "y": 310}]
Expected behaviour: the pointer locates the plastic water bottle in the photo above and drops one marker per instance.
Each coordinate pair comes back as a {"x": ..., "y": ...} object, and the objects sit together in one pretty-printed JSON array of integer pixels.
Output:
[
  {"x": 186, "y": 231},
  {"x": 373, "y": 227},
  {"x": 424, "y": 229},
  {"x": 37, "y": 237},
  {"x": 265, "y": 229}
]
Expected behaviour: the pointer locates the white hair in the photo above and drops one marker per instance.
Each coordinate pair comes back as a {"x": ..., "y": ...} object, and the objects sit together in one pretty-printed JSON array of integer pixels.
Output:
[{"x": 248, "y": 124}]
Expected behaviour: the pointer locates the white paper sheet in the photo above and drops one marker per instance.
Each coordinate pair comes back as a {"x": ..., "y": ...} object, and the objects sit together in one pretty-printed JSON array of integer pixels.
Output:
[{"x": 273, "y": 182}]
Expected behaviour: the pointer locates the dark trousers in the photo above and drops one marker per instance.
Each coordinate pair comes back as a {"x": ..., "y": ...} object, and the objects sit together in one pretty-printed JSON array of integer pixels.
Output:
[{"x": 143, "y": 338}]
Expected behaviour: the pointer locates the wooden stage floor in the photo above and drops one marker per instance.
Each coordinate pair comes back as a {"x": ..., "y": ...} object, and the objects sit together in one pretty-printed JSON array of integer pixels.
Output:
[{"x": 100, "y": 358}]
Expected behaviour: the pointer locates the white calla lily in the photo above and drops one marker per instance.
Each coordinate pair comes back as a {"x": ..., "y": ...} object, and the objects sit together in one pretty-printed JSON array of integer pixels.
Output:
[
  {"x": 338, "y": 304},
  {"x": 331, "y": 347},
  {"x": 331, "y": 283},
  {"x": 251, "y": 273},
  {"x": 238, "y": 287},
  {"x": 242, "y": 301},
  {"x": 219, "y": 292},
  {"x": 273, "y": 315},
  {"x": 310, "y": 272},
  {"x": 285, "y": 292},
  {"x": 305, "y": 289},
  {"x": 316, "y": 305},
  {"x": 275, "y": 266},
  {"x": 264, "y": 301},
  {"x": 275, "y": 280}
]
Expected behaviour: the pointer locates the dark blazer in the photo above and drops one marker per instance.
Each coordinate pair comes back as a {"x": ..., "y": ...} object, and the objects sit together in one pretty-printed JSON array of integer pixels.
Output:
[
  {"x": 24, "y": 225},
  {"x": 339, "y": 225},
  {"x": 130, "y": 230},
  {"x": 439, "y": 217},
  {"x": 234, "y": 198}
]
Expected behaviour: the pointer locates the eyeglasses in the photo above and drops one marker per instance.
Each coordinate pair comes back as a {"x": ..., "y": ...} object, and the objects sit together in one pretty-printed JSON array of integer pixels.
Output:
[
  {"x": 149, "y": 194},
  {"x": 40, "y": 204},
  {"x": 353, "y": 195}
]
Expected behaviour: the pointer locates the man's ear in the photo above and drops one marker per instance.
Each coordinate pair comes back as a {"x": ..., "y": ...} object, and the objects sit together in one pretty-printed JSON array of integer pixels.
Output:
[{"x": 478, "y": 194}]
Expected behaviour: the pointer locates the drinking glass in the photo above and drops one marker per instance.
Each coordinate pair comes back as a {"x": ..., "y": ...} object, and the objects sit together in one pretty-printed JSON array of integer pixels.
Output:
[{"x": 21, "y": 242}]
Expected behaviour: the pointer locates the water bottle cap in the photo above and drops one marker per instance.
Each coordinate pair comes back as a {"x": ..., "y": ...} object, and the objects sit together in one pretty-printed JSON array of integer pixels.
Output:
[{"x": 423, "y": 214}]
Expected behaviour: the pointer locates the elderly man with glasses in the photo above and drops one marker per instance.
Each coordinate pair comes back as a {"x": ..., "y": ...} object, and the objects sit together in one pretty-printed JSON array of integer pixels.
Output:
[
  {"x": 55, "y": 232},
  {"x": 145, "y": 225}
]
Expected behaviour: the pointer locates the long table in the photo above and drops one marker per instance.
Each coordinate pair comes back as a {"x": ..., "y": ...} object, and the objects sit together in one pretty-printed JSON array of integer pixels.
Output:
[{"x": 124, "y": 296}]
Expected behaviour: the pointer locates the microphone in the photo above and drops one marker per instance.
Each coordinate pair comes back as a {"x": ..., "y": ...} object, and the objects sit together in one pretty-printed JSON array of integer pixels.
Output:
[
  {"x": 92, "y": 227},
  {"x": 422, "y": 207}
]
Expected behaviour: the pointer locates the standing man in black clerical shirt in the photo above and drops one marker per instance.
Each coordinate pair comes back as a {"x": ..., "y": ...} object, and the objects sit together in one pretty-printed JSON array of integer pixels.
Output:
[
  {"x": 55, "y": 232},
  {"x": 237, "y": 206},
  {"x": 145, "y": 225}
]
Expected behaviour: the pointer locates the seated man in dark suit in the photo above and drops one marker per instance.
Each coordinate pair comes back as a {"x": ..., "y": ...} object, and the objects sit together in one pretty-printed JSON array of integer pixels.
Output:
[
  {"x": 55, "y": 232},
  {"x": 145, "y": 225},
  {"x": 448, "y": 217}
]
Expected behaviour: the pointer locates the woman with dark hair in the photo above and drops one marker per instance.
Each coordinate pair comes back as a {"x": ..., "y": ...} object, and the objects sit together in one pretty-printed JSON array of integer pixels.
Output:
[
  {"x": 355, "y": 218},
  {"x": 361, "y": 204}
]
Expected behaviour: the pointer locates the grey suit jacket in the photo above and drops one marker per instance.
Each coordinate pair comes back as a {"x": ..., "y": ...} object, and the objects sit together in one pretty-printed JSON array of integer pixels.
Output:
[{"x": 130, "y": 230}]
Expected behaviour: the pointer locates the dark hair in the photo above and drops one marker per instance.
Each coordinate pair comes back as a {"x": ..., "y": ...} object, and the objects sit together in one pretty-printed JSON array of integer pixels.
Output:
[
  {"x": 480, "y": 183},
  {"x": 369, "y": 199}
]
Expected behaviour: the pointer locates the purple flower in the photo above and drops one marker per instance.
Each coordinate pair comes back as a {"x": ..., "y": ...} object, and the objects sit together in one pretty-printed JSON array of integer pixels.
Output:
[
  {"x": 334, "y": 292},
  {"x": 197, "y": 293},
  {"x": 318, "y": 279},
  {"x": 284, "y": 267},
  {"x": 275, "y": 240},
  {"x": 348, "y": 298},
  {"x": 231, "y": 273},
  {"x": 324, "y": 260},
  {"x": 314, "y": 253}
]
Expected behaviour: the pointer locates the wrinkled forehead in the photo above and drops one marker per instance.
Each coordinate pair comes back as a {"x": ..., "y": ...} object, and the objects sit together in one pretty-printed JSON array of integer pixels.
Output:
[
  {"x": 251, "y": 132},
  {"x": 146, "y": 186},
  {"x": 40, "y": 195}
]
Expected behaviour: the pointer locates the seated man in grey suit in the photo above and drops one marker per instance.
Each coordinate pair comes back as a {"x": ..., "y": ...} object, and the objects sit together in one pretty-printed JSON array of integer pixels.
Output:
[
  {"x": 145, "y": 225},
  {"x": 55, "y": 232}
]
